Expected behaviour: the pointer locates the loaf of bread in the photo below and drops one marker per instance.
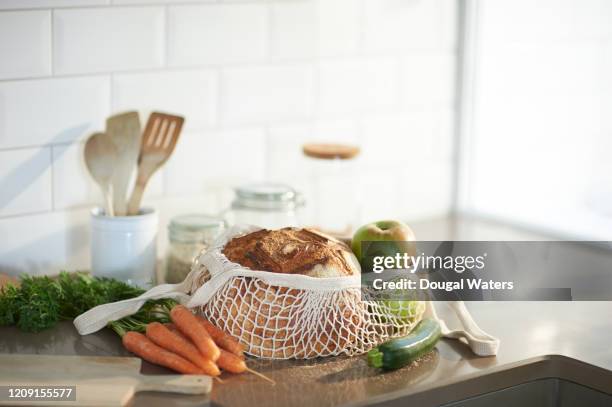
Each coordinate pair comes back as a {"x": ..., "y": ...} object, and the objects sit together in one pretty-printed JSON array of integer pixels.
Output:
[
  {"x": 281, "y": 322},
  {"x": 293, "y": 251}
]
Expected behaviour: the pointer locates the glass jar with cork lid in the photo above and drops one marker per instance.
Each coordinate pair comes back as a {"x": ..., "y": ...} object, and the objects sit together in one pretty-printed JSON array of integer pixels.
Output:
[{"x": 334, "y": 192}]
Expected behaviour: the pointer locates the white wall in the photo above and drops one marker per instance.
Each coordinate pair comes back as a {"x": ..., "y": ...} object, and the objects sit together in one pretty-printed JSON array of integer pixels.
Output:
[
  {"x": 537, "y": 139},
  {"x": 254, "y": 79}
]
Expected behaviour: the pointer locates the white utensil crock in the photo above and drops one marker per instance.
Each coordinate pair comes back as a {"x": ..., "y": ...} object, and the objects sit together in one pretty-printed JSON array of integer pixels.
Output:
[{"x": 124, "y": 247}]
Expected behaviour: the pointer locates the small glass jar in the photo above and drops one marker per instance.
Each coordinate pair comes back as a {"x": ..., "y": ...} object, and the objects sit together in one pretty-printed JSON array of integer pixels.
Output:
[
  {"x": 188, "y": 236},
  {"x": 267, "y": 205}
]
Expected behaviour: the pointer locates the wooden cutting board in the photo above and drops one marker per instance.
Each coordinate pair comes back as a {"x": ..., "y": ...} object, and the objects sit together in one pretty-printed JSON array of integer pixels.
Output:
[{"x": 99, "y": 381}]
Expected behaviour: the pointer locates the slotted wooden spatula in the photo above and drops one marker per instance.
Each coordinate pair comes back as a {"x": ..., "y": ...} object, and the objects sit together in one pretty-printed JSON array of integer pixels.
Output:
[{"x": 158, "y": 141}]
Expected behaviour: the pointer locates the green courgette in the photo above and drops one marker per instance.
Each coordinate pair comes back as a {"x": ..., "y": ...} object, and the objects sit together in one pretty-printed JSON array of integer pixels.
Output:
[{"x": 401, "y": 351}]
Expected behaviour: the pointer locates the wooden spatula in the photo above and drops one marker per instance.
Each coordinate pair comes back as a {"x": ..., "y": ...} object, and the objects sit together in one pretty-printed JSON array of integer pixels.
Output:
[
  {"x": 101, "y": 159},
  {"x": 158, "y": 141},
  {"x": 99, "y": 381},
  {"x": 124, "y": 131}
]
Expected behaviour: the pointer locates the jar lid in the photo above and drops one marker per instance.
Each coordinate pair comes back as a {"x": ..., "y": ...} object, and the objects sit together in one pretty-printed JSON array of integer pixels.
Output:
[
  {"x": 267, "y": 196},
  {"x": 330, "y": 151},
  {"x": 194, "y": 227}
]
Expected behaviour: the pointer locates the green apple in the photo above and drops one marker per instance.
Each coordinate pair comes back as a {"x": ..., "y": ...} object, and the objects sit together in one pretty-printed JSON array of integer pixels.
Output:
[
  {"x": 399, "y": 235},
  {"x": 401, "y": 240},
  {"x": 402, "y": 310}
]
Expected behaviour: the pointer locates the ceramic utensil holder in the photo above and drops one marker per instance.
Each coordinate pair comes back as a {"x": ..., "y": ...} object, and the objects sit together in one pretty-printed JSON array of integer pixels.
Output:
[{"x": 125, "y": 247}]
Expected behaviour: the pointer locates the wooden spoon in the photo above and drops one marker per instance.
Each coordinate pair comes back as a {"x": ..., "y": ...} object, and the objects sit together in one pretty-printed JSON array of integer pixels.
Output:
[
  {"x": 124, "y": 131},
  {"x": 101, "y": 159},
  {"x": 158, "y": 141}
]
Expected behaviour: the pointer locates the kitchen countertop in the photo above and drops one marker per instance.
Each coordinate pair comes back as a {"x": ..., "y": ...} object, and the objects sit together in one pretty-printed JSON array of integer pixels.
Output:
[{"x": 531, "y": 334}]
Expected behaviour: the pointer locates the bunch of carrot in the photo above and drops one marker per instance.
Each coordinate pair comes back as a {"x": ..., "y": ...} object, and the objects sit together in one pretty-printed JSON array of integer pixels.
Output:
[{"x": 189, "y": 344}]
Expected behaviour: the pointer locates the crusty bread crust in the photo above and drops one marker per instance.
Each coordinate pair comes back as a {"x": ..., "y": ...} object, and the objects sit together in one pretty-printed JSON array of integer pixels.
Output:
[{"x": 293, "y": 251}]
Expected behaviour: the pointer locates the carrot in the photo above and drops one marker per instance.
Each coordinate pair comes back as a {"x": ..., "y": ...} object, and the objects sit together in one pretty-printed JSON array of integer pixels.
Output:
[
  {"x": 221, "y": 338},
  {"x": 189, "y": 325},
  {"x": 165, "y": 338},
  {"x": 230, "y": 362},
  {"x": 233, "y": 364},
  {"x": 142, "y": 346},
  {"x": 227, "y": 360},
  {"x": 174, "y": 329}
]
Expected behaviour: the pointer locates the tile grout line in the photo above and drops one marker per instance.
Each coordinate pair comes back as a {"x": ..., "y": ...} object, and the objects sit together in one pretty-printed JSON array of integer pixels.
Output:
[
  {"x": 289, "y": 62},
  {"x": 220, "y": 126},
  {"x": 26, "y": 214},
  {"x": 166, "y": 36},
  {"x": 52, "y": 39},
  {"x": 52, "y": 157},
  {"x": 111, "y": 92},
  {"x": 136, "y": 5}
]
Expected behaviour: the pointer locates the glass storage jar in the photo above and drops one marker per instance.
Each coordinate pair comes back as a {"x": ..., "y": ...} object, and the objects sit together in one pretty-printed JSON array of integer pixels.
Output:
[
  {"x": 334, "y": 191},
  {"x": 267, "y": 205},
  {"x": 188, "y": 235}
]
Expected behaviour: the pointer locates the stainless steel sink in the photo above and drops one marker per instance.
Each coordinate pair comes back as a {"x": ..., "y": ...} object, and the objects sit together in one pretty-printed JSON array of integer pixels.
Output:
[
  {"x": 551, "y": 392},
  {"x": 547, "y": 381}
]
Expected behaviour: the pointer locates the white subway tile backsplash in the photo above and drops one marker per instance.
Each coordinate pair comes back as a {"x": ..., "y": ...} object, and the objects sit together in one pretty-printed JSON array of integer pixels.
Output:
[
  {"x": 25, "y": 181},
  {"x": 354, "y": 85},
  {"x": 25, "y": 44},
  {"x": 47, "y": 111},
  {"x": 192, "y": 94},
  {"x": 339, "y": 26},
  {"x": 298, "y": 71},
  {"x": 428, "y": 80},
  {"x": 393, "y": 140},
  {"x": 49, "y": 118},
  {"x": 285, "y": 159},
  {"x": 72, "y": 184},
  {"x": 211, "y": 159},
  {"x": 301, "y": 29},
  {"x": 108, "y": 39},
  {"x": 385, "y": 185},
  {"x": 396, "y": 25},
  {"x": 448, "y": 24},
  {"x": 294, "y": 29},
  {"x": 444, "y": 134},
  {"x": 45, "y": 243},
  {"x": 155, "y": 187},
  {"x": 266, "y": 93},
  {"x": 216, "y": 34},
  {"x": 426, "y": 188},
  {"x": 26, "y": 4},
  {"x": 73, "y": 187}
]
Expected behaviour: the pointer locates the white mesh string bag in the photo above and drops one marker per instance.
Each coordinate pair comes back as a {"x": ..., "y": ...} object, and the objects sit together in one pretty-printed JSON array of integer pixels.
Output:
[
  {"x": 284, "y": 316},
  {"x": 281, "y": 316}
]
